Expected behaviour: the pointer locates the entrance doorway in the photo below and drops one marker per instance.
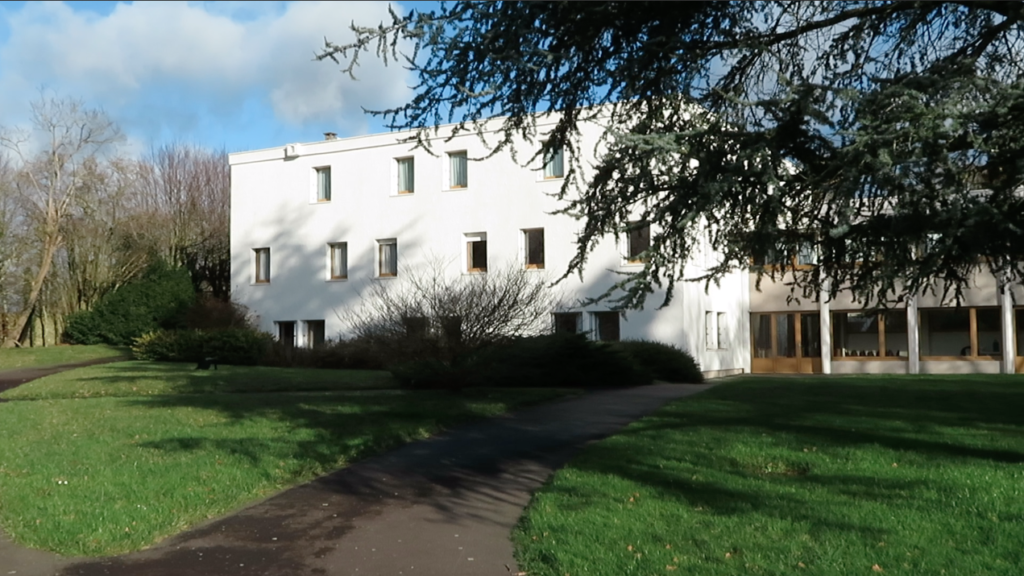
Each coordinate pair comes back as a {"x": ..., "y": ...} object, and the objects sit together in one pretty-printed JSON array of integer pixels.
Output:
[{"x": 786, "y": 343}]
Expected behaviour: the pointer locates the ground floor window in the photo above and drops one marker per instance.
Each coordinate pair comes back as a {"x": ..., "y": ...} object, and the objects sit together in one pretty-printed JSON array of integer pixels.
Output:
[
  {"x": 315, "y": 333},
  {"x": 810, "y": 335},
  {"x": 568, "y": 322},
  {"x": 606, "y": 326},
  {"x": 286, "y": 333},
  {"x": 1020, "y": 332},
  {"x": 870, "y": 335},
  {"x": 964, "y": 332}
]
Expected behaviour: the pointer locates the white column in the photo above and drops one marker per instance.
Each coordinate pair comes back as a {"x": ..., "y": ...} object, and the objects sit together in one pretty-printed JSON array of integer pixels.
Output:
[
  {"x": 913, "y": 337},
  {"x": 1006, "y": 313},
  {"x": 826, "y": 330}
]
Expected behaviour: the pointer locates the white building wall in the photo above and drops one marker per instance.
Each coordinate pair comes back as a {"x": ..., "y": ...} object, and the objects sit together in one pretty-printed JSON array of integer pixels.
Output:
[{"x": 273, "y": 204}]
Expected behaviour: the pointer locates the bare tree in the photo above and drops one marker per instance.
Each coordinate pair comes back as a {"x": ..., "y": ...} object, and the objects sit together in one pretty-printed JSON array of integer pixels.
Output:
[
  {"x": 190, "y": 191},
  {"x": 429, "y": 312},
  {"x": 69, "y": 136}
]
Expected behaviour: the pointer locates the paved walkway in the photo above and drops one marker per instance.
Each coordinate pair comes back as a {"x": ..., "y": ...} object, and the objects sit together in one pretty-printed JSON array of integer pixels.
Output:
[
  {"x": 11, "y": 378},
  {"x": 439, "y": 507}
]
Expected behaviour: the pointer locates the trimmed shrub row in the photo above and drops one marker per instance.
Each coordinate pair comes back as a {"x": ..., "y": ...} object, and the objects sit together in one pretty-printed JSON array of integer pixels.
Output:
[
  {"x": 241, "y": 346},
  {"x": 557, "y": 361}
]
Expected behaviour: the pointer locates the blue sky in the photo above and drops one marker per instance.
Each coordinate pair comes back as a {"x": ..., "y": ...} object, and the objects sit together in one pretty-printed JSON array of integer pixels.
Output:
[{"x": 232, "y": 75}]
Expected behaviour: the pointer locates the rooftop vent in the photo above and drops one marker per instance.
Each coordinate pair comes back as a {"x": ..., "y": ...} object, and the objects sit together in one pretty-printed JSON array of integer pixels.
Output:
[{"x": 330, "y": 135}]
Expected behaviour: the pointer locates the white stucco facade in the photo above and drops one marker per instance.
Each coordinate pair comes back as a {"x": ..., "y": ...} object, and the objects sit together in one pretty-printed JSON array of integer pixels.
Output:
[{"x": 274, "y": 205}]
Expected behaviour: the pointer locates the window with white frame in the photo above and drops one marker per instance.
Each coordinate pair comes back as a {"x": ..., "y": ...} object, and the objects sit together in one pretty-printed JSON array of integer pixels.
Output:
[
  {"x": 323, "y": 184},
  {"x": 567, "y": 322},
  {"x": 458, "y": 170},
  {"x": 261, "y": 262},
  {"x": 722, "y": 325},
  {"x": 337, "y": 260},
  {"x": 476, "y": 252},
  {"x": 406, "y": 175},
  {"x": 554, "y": 163},
  {"x": 638, "y": 240},
  {"x": 710, "y": 331},
  {"x": 606, "y": 326},
  {"x": 533, "y": 248},
  {"x": 387, "y": 258}
]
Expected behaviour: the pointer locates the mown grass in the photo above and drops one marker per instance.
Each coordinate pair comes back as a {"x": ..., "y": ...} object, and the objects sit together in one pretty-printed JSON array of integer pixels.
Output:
[
  {"x": 105, "y": 475},
  {"x": 858, "y": 475},
  {"x": 138, "y": 378},
  {"x": 12, "y": 358}
]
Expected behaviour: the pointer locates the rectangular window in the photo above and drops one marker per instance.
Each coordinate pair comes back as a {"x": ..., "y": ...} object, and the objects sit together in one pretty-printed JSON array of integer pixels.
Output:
[
  {"x": 762, "y": 328},
  {"x": 262, "y": 264},
  {"x": 458, "y": 175},
  {"x": 1019, "y": 319},
  {"x": 286, "y": 333},
  {"x": 856, "y": 334},
  {"x": 989, "y": 329},
  {"x": 710, "y": 331},
  {"x": 315, "y": 333},
  {"x": 476, "y": 252},
  {"x": 638, "y": 241},
  {"x": 807, "y": 255},
  {"x": 810, "y": 335},
  {"x": 946, "y": 332},
  {"x": 416, "y": 326},
  {"x": 534, "y": 248},
  {"x": 723, "y": 336},
  {"x": 568, "y": 322},
  {"x": 323, "y": 184},
  {"x": 894, "y": 332},
  {"x": 554, "y": 163},
  {"x": 607, "y": 324},
  {"x": 387, "y": 258},
  {"x": 339, "y": 260},
  {"x": 785, "y": 335},
  {"x": 406, "y": 176},
  {"x": 451, "y": 329}
]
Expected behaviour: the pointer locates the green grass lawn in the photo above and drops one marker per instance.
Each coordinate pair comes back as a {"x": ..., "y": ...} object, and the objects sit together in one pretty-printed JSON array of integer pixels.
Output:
[
  {"x": 853, "y": 475},
  {"x": 137, "y": 378},
  {"x": 105, "y": 475},
  {"x": 12, "y": 358}
]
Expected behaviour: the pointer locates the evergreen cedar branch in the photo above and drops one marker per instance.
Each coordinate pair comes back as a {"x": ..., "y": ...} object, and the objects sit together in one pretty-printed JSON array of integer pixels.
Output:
[{"x": 869, "y": 129}]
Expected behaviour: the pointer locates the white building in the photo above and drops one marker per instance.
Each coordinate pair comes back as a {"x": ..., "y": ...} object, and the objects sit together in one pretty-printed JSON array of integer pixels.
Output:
[{"x": 313, "y": 224}]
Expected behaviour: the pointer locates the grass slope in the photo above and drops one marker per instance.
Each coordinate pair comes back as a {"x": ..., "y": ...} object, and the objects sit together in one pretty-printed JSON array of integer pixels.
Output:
[
  {"x": 859, "y": 475},
  {"x": 105, "y": 475},
  {"x": 137, "y": 378},
  {"x": 13, "y": 358}
]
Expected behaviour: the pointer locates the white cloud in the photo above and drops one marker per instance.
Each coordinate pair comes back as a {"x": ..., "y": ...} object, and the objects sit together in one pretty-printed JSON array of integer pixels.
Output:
[{"x": 182, "y": 60}]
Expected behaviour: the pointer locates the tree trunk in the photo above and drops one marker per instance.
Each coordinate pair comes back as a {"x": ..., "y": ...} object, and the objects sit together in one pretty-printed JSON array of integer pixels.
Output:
[{"x": 21, "y": 321}]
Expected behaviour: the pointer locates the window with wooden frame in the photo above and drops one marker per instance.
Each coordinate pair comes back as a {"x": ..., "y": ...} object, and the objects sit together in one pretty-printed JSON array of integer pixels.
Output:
[
  {"x": 406, "y": 175},
  {"x": 338, "y": 260},
  {"x": 554, "y": 164},
  {"x": 606, "y": 326},
  {"x": 710, "y": 331},
  {"x": 476, "y": 252},
  {"x": 533, "y": 248},
  {"x": 387, "y": 258},
  {"x": 323, "y": 184},
  {"x": 458, "y": 170},
  {"x": 870, "y": 336},
  {"x": 261, "y": 262},
  {"x": 638, "y": 240}
]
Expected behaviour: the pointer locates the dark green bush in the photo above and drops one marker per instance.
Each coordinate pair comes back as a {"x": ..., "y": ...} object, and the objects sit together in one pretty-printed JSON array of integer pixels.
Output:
[
  {"x": 548, "y": 361},
  {"x": 333, "y": 354},
  {"x": 661, "y": 361},
  {"x": 157, "y": 300},
  {"x": 242, "y": 346}
]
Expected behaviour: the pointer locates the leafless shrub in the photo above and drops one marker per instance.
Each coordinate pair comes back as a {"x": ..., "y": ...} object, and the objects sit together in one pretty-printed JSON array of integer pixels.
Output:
[{"x": 430, "y": 313}]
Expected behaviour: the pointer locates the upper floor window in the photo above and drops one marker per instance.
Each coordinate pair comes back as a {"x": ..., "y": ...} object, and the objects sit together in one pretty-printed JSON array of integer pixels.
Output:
[
  {"x": 533, "y": 247},
  {"x": 638, "y": 241},
  {"x": 406, "y": 175},
  {"x": 387, "y": 258},
  {"x": 323, "y": 184},
  {"x": 261, "y": 272},
  {"x": 338, "y": 260},
  {"x": 458, "y": 170},
  {"x": 554, "y": 163}
]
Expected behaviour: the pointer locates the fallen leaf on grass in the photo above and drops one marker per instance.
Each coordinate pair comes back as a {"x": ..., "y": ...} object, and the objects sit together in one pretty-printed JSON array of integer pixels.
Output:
[{"x": 877, "y": 568}]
